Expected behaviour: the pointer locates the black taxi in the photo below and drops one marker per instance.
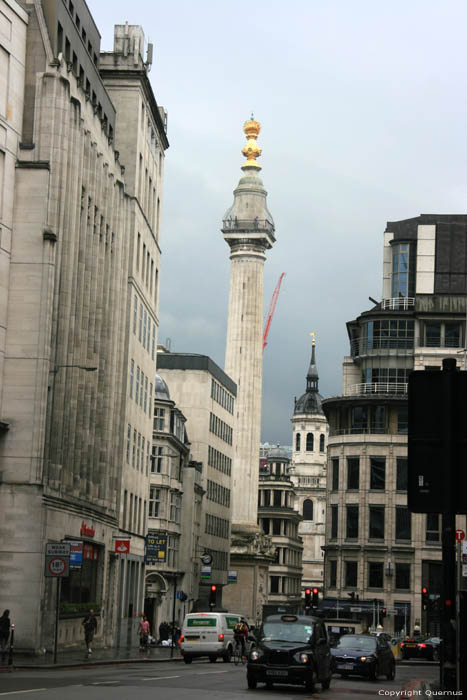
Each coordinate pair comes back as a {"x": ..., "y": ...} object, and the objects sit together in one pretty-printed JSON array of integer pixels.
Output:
[{"x": 291, "y": 649}]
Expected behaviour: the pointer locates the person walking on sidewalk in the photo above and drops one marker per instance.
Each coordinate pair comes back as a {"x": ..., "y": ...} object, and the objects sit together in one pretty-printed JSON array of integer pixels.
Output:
[
  {"x": 143, "y": 632},
  {"x": 90, "y": 627},
  {"x": 5, "y": 624}
]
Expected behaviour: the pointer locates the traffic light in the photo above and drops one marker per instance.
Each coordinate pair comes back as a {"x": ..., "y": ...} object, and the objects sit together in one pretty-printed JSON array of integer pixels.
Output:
[
  {"x": 315, "y": 599},
  {"x": 425, "y": 598},
  {"x": 384, "y": 612},
  {"x": 213, "y": 596},
  {"x": 307, "y": 598}
]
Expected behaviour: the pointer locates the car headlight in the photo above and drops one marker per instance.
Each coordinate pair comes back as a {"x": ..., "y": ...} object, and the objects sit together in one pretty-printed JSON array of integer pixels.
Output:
[
  {"x": 301, "y": 658},
  {"x": 366, "y": 658},
  {"x": 254, "y": 656}
]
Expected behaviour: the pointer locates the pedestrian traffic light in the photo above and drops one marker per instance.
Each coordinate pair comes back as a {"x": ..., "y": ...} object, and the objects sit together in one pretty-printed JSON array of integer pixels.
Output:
[
  {"x": 425, "y": 598},
  {"x": 307, "y": 598},
  {"x": 213, "y": 596},
  {"x": 315, "y": 599},
  {"x": 384, "y": 612}
]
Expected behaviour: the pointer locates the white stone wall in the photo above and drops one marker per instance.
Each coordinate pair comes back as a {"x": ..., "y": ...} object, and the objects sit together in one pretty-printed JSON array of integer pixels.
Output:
[{"x": 425, "y": 272}]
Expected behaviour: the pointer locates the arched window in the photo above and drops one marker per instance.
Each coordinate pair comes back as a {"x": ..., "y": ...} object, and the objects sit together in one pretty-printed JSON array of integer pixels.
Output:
[
  {"x": 321, "y": 443},
  {"x": 297, "y": 442},
  {"x": 309, "y": 442},
  {"x": 307, "y": 509}
]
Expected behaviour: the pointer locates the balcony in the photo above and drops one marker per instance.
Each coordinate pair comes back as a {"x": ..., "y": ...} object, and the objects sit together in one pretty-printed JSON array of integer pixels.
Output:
[
  {"x": 275, "y": 477},
  {"x": 364, "y": 345},
  {"x": 387, "y": 388},
  {"x": 247, "y": 225},
  {"x": 398, "y": 304}
]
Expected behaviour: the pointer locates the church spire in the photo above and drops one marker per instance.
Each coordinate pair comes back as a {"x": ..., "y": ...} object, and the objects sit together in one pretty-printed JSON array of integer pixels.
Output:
[{"x": 312, "y": 377}]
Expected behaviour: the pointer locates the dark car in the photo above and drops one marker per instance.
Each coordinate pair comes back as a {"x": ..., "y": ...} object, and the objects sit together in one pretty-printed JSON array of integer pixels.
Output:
[
  {"x": 421, "y": 648},
  {"x": 364, "y": 655},
  {"x": 291, "y": 649}
]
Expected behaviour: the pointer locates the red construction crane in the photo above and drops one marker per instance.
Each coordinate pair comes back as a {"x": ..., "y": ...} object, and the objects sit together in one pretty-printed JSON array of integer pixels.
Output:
[{"x": 272, "y": 308}]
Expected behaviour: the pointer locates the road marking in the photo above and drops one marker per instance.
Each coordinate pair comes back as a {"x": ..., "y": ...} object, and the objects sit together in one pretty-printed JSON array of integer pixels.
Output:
[
  {"x": 104, "y": 682},
  {"x": 209, "y": 673},
  {"x": 31, "y": 690},
  {"x": 158, "y": 678}
]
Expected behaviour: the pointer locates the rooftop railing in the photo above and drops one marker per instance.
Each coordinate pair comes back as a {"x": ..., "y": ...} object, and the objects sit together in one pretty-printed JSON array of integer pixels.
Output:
[
  {"x": 398, "y": 303},
  {"x": 247, "y": 225},
  {"x": 391, "y": 388}
]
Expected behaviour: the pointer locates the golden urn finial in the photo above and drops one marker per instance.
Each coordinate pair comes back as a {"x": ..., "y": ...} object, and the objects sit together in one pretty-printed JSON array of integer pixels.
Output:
[{"x": 251, "y": 151}]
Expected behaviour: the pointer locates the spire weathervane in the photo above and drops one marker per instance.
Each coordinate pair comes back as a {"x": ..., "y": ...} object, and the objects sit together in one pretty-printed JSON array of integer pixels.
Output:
[{"x": 251, "y": 151}]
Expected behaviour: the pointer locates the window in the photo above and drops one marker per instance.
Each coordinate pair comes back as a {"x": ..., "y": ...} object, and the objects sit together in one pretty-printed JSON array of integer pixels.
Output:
[
  {"x": 334, "y": 513},
  {"x": 353, "y": 473},
  {"x": 140, "y": 329},
  {"x": 321, "y": 443},
  {"x": 133, "y": 457},
  {"x": 359, "y": 419},
  {"x": 146, "y": 395},
  {"x": 159, "y": 419},
  {"x": 376, "y": 529},
  {"x": 403, "y": 576},
  {"x": 394, "y": 333},
  {"x": 403, "y": 523},
  {"x": 375, "y": 574},
  {"x": 135, "y": 314},
  {"x": 297, "y": 442},
  {"x": 128, "y": 442},
  {"x": 447, "y": 335},
  {"x": 433, "y": 527},
  {"x": 352, "y": 522},
  {"x": 175, "y": 506},
  {"x": 266, "y": 526},
  {"x": 403, "y": 264},
  {"x": 142, "y": 390},
  {"x": 402, "y": 420},
  {"x": 145, "y": 328},
  {"x": 401, "y": 475},
  {"x": 351, "y": 569},
  {"x": 277, "y": 497},
  {"x": 377, "y": 473},
  {"x": 332, "y": 573},
  {"x": 307, "y": 509},
  {"x": 154, "y": 501},
  {"x": 335, "y": 473},
  {"x": 137, "y": 385},
  {"x": 153, "y": 347},
  {"x": 309, "y": 442},
  {"x": 274, "y": 584},
  {"x": 132, "y": 377},
  {"x": 276, "y": 526},
  {"x": 158, "y": 454}
]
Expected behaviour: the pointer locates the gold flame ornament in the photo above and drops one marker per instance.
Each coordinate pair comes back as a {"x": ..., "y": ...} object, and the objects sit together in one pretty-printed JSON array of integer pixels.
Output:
[
  {"x": 251, "y": 151},
  {"x": 313, "y": 336}
]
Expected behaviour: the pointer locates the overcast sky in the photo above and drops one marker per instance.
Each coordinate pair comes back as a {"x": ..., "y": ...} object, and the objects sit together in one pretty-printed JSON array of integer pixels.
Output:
[{"x": 363, "y": 113}]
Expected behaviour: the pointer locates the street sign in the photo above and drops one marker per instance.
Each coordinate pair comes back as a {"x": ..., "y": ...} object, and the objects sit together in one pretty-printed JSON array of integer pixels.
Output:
[
  {"x": 460, "y": 534},
  {"x": 232, "y": 577},
  {"x": 205, "y": 573},
  {"x": 57, "y": 566},
  {"x": 57, "y": 548},
  {"x": 76, "y": 553},
  {"x": 356, "y": 609},
  {"x": 391, "y": 611}
]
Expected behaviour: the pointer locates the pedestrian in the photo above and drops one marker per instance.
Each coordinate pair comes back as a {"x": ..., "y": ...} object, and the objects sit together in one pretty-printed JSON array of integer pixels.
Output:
[
  {"x": 5, "y": 624},
  {"x": 163, "y": 632},
  {"x": 90, "y": 627},
  {"x": 143, "y": 632}
]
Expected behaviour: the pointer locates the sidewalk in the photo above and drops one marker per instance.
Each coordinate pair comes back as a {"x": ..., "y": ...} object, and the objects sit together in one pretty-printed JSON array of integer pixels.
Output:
[{"x": 77, "y": 657}]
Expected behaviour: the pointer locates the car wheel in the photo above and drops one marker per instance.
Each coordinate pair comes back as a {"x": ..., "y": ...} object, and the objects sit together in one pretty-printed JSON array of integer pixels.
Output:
[
  {"x": 392, "y": 672},
  {"x": 251, "y": 682},
  {"x": 187, "y": 659},
  {"x": 227, "y": 656},
  {"x": 213, "y": 659},
  {"x": 326, "y": 684}
]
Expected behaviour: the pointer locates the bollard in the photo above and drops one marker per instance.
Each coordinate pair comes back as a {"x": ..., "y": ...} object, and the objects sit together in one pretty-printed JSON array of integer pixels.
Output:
[{"x": 10, "y": 652}]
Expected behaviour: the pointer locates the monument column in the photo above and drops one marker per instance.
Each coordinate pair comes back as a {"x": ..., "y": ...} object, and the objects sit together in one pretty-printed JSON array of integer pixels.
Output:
[{"x": 248, "y": 228}]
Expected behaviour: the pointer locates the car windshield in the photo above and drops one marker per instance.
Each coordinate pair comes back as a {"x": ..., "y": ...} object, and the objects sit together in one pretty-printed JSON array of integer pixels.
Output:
[
  {"x": 351, "y": 641},
  {"x": 286, "y": 632}
]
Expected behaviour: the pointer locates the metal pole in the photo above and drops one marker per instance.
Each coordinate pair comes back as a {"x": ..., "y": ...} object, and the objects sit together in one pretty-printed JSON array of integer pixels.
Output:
[
  {"x": 374, "y": 612},
  {"x": 10, "y": 651},
  {"x": 458, "y": 617},
  {"x": 173, "y": 617},
  {"x": 57, "y": 616}
]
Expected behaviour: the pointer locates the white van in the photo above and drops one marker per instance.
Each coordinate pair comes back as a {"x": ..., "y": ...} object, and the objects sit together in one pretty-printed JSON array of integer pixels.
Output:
[{"x": 208, "y": 634}]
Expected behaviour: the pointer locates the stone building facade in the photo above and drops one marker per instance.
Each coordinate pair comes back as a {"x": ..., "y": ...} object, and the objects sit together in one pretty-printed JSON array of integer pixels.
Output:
[
  {"x": 308, "y": 474},
  {"x": 206, "y": 396},
  {"x": 279, "y": 519},
  {"x": 376, "y": 549},
  {"x": 69, "y": 340}
]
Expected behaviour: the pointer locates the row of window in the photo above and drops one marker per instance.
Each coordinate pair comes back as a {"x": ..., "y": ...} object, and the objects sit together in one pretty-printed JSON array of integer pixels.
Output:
[
  {"x": 377, "y": 475},
  {"x": 288, "y": 585},
  {"x": 275, "y": 497},
  {"x": 400, "y": 333},
  {"x": 218, "y": 494},
  {"x": 137, "y": 450},
  {"x": 142, "y": 387},
  {"x": 221, "y": 429},
  {"x": 309, "y": 442},
  {"x": 163, "y": 462},
  {"x": 144, "y": 327},
  {"x": 219, "y": 461},
  {"x": 145, "y": 263},
  {"x": 219, "y": 394},
  {"x": 77, "y": 21},
  {"x": 148, "y": 201},
  {"x": 371, "y": 419},
  {"x": 385, "y": 375},
  {"x": 217, "y": 526},
  {"x": 403, "y": 522},
  {"x": 158, "y": 504},
  {"x": 134, "y": 513},
  {"x": 288, "y": 557},
  {"x": 375, "y": 574},
  {"x": 278, "y": 526}
]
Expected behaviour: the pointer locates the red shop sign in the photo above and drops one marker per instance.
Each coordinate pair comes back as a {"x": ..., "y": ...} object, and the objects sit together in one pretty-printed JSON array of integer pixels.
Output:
[
  {"x": 86, "y": 531},
  {"x": 122, "y": 546}
]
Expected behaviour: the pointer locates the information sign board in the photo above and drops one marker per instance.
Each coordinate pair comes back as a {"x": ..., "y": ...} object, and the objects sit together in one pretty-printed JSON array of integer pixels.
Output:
[
  {"x": 57, "y": 548},
  {"x": 76, "y": 553},
  {"x": 57, "y": 566},
  {"x": 155, "y": 549}
]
